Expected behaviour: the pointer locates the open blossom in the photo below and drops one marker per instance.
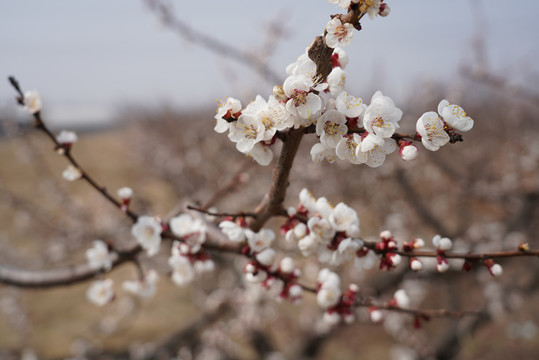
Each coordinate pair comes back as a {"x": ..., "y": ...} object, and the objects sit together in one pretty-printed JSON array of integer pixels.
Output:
[
  {"x": 336, "y": 81},
  {"x": 373, "y": 150},
  {"x": 344, "y": 218},
  {"x": 321, "y": 151},
  {"x": 261, "y": 153},
  {"x": 98, "y": 256},
  {"x": 346, "y": 148},
  {"x": 381, "y": 116},
  {"x": 71, "y": 173},
  {"x": 32, "y": 102},
  {"x": 339, "y": 34},
  {"x": 182, "y": 269},
  {"x": 431, "y": 129},
  {"x": 246, "y": 132},
  {"x": 66, "y": 137},
  {"x": 101, "y": 292},
  {"x": 302, "y": 102},
  {"x": 274, "y": 117},
  {"x": 144, "y": 289},
  {"x": 260, "y": 240},
  {"x": 193, "y": 231},
  {"x": 230, "y": 109},
  {"x": 350, "y": 106},
  {"x": 331, "y": 127},
  {"x": 147, "y": 230},
  {"x": 371, "y": 7},
  {"x": 455, "y": 116},
  {"x": 233, "y": 231},
  {"x": 345, "y": 4}
]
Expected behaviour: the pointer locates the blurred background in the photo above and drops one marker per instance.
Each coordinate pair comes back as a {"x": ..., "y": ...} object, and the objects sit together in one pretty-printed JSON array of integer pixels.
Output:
[{"x": 138, "y": 80}]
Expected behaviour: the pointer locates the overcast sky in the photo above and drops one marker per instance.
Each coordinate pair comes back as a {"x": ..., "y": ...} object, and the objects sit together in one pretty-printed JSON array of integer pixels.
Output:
[{"x": 88, "y": 58}]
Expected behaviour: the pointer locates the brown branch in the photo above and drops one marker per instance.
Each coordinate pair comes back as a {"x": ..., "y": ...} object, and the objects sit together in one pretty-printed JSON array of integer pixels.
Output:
[
  {"x": 272, "y": 204},
  {"x": 221, "y": 214},
  {"x": 40, "y": 125},
  {"x": 60, "y": 277},
  {"x": 455, "y": 255}
]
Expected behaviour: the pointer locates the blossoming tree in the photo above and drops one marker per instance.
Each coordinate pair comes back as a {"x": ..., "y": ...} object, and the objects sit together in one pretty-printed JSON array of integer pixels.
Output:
[{"x": 312, "y": 101}]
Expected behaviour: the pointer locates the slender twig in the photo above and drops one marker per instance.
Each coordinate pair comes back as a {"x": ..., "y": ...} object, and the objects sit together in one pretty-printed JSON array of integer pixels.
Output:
[
  {"x": 212, "y": 44},
  {"x": 40, "y": 125},
  {"x": 221, "y": 214}
]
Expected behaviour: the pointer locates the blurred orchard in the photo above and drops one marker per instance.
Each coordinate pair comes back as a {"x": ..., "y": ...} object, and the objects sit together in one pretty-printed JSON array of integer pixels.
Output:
[{"x": 307, "y": 222}]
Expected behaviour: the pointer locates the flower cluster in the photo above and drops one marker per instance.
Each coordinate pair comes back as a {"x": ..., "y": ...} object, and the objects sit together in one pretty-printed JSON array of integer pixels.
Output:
[
  {"x": 188, "y": 257},
  {"x": 320, "y": 229},
  {"x": 101, "y": 292},
  {"x": 337, "y": 306}
]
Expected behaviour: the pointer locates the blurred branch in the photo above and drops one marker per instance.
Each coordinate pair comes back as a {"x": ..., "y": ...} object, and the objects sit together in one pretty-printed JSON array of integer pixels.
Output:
[
  {"x": 60, "y": 277},
  {"x": 66, "y": 152},
  {"x": 167, "y": 16}
]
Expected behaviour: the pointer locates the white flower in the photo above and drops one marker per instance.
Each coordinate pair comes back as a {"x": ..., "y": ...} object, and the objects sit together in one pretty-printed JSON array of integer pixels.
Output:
[
  {"x": 182, "y": 270},
  {"x": 308, "y": 245},
  {"x": 301, "y": 101},
  {"x": 287, "y": 265},
  {"x": 246, "y": 132},
  {"x": 442, "y": 266},
  {"x": 347, "y": 147},
  {"x": 125, "y": 193},
  {"x": 329, "y": 293},
  {"x": 274, "y": 117},
  {"x": 321, "y": 151},
  {"x": 373, "y": 150},
  {"x": 101, "y": 292},
  {"x": 99, "y": 257},
  {"x": 376, "y": 315},
  {"x": 321, "y": 228},
  {"x": 455, "y": 116},
  {"x": 371, "y": 7},
  {"x": 496, "y": 270},
  {"x": 346, "y": 251},
  {"x": 204, "y": 266},
  {"x": 402, "y": 299},
  {"x": 442, "y": 243},
  {"x": 350, "y": 106},
  {"x": 339, "y": 58},
  {"x": 344, "y": 218},
  {"x": 345, "y": 4},
  {"x": 261, "y": 153},
  {"x": 66, "y": 137},
  {"x": 336, "y": 81},
  {"x": 431, "y": 129},
  {"x": 331, "y": 318},
  {"x": 339, "y": 34},
  {"x": 225, "y": 111},
  {"x": 71, "y": 173},
  {"x": 193, "y": 231},
  {"x": 381, "y": 116},
  {"x": 266, "y": 256},
  {"x": 416, "y": 264},
  {"x": 32, "y": 102},
  {"x": 307, "y": 199},
  {"x": 233, "y": 231},
  {"x": 408, "y": 152},
  {"x": 144, "y": 289},
  {"x": 331, "y": 127},
  {"x": 147, "y": 230},
  {"x": 260, "y": 240}
]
